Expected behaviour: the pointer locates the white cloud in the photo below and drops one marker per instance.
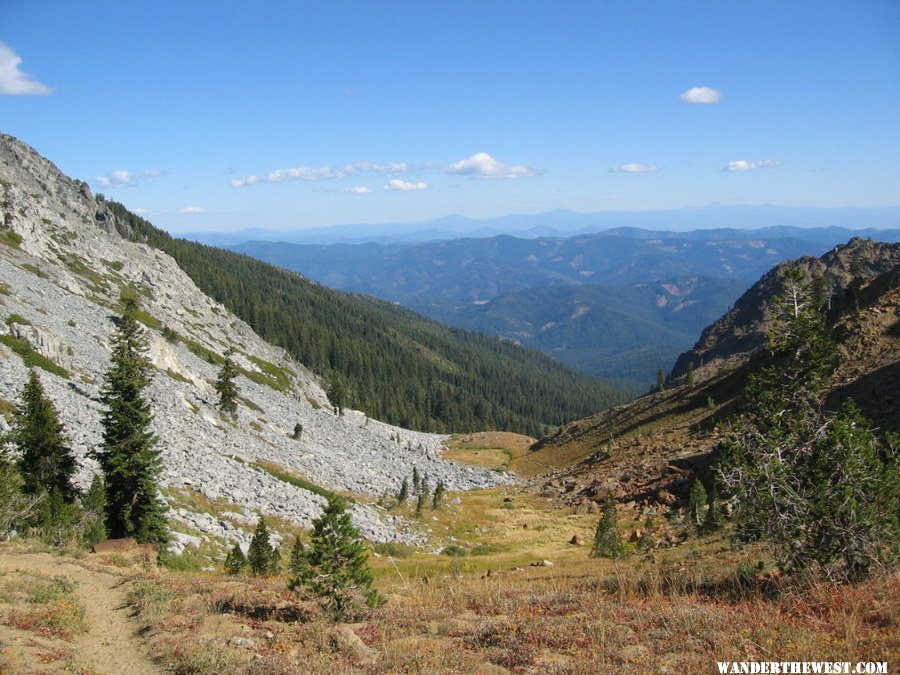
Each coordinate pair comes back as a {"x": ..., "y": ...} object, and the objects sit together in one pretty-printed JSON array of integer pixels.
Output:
[
  {"x": 375, "y": 167},
  {"x": 192, "y": 209},
  {"x": 482, "y": 165},
  {"x": 359, "y": 190},
  {"x": 124, "y": 178},
  {"x": 403, "y": 185},
  {"x": 701, "y": 95},
  {"x": 634, "y": 168},
  {"x": 13, "y": 81},
  {"x": 744, "y": 165},
  {"x": 322, "y": 173}
]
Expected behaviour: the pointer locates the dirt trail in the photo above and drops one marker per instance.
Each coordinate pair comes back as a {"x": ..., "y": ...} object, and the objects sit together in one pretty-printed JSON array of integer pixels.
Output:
[{"x": 111, "y": 645}]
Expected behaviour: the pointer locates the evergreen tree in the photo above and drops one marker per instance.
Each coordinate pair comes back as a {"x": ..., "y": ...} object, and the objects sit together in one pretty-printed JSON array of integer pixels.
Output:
[
  {"x": 661, "y": 380},
  {"x": 298, "y": 431},
  {"x": 421, "y": 501},
  {"x": 416, "y": 481},
  {"x": 262, "y": 557},
  {"x": 821, "y": 487},
  {"x": 226, "y": 386},
  {"x": 607, "y": 543},
  {"x": 691, "y": 379},
  {"x": 438, "y": 498},
  {"x": 714, "y": 519},
  {"x": 403, "y": 494},
  {"x": 129, "y": 462},
  {"x": 338, "y": 394},
  {"x": 696, "y": 505},
  {"x": 93, "y": 506},
  {"x": 235, "y": 561},
  {"x": 335, "y": 566},
  {"x": 645, "y": 543},
  {"x": 46, "y": 463}
]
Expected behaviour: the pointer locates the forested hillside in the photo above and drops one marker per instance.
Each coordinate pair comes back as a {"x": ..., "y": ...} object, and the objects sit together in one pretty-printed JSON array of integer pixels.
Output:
[{"x": 391, "y": 363}]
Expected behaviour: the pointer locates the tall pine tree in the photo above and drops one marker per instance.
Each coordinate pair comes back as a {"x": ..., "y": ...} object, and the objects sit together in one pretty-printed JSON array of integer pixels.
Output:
[
  {"x": 127, "y": 457},
  {"x": 226, "y": 387},
  {"x": 46, "y": 463}
]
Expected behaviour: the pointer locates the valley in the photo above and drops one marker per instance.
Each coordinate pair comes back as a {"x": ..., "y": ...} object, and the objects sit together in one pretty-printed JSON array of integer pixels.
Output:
[{"x": 497, "y": 570}]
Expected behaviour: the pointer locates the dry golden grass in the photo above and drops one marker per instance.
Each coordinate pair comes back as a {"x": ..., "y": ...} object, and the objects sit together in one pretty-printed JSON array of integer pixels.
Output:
[{"x": 680, "y": 613}]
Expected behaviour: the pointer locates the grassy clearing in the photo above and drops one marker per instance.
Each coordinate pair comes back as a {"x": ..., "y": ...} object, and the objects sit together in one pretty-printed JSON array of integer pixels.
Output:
[
  {"x": 497, "y": 450},
  {"x": 651, "y": 613}
]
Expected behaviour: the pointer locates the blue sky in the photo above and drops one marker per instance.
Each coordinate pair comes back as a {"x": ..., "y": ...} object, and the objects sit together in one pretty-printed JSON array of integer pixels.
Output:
[{"x": 227, "y": 115}]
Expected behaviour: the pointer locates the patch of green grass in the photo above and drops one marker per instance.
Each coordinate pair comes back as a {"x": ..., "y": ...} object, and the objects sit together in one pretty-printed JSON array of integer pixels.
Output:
[
  {"x": 296, "y": 480},
  {"x": 17, "y": 318},
  {"x": 4, "y": 289},
  {"x": 314, "y": 403},
  {"x": 34, "y": 269},
  {"x": 265, "y": 380},
  {"x": 10, "y": 238},
  {"x": 206, "y": 354},
  {"x": 393, "y": 549},
  {"x": 178, "y": 377},
  {"x": 250, "y": 404},
  {"x": 31, "y": 358},
  {"x": 273, "y": 371},
  {"x": 116, "y": 265},
  {"x": 454, "y": 551},
  {"x": 488, "y": 549},
  {"x": 80, "y": 267},
  {"x": 55, "y": 589}
]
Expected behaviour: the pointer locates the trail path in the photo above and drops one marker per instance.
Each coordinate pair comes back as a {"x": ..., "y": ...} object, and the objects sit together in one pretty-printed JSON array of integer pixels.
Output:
[{"x": 112, "y": 645}]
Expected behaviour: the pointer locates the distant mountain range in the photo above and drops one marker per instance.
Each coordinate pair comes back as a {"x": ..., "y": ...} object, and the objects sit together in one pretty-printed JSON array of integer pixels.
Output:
[
  {"x": 772, "y": 220},
  {"x": 617, "y": 304}
]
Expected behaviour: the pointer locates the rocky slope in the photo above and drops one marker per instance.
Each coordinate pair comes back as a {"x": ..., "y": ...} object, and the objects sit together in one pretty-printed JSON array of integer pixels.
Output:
[
  {"x": 743, "y": 329},
  {"x": 63, "y": 270},
  {"x": 648, "y": 452}
]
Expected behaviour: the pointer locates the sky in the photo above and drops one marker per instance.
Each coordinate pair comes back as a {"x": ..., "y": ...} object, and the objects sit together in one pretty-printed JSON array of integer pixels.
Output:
[{"x": 288, "y": 115}]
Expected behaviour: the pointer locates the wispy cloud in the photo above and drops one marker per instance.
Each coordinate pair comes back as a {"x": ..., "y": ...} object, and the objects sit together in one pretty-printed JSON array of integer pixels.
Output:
[
  {"x": 192, "y": 209},
  {"x": 359, "y": 190},
  {"x": 701, "y": 95},
  {"x": 13, "y": 82},
  {"x": 634, "y": 168},
  {"x": 397, "y": 184},
  {"x": 124, "y": 178},
  {"x": 482, "y": 165},
  {"x": 743, "y": 165},
  {"x": 314, "y": 173}
]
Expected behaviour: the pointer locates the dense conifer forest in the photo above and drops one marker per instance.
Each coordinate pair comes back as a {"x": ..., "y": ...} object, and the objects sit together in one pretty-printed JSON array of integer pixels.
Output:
[{"x": 395, "y": 365}]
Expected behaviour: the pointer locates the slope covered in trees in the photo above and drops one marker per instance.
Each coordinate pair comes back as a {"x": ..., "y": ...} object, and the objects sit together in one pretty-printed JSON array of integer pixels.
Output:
[{"x": 398, "y": 366}]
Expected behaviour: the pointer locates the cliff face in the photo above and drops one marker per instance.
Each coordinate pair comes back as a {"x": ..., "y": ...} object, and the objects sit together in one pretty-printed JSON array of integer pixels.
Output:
[
  {"x": 742, "y": 330},
  {"x": 63, "y": 270}
]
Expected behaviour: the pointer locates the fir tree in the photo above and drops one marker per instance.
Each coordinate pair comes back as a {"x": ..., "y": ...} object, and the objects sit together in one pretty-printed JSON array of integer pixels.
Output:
[
  {"x": 226, "y": 386},
  {"x": 421, "y": 501},
  {"x": 46, "y": 463},
  {"x": 691, "y": 379},
  {"x": 129, "y": 462},
  {"x": 93, "y": 506},
  {"x": 438, "y": 498},
  {"x": 661, "y": 380},
  {"x": 235, "y": 561},
  {"x": 416, "y": 486},
  {"x": 335, "y": 566},
  {"x": 714, "y": 519},
  {"x": 262, "y": 557},
  {"x": 607, "y": 543},
  {"x": 696, "y": 505},
  {"x": 298, "y": 431},
  {"x": 403, "y": 494}
]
